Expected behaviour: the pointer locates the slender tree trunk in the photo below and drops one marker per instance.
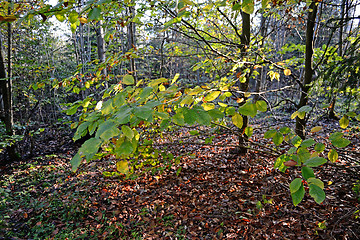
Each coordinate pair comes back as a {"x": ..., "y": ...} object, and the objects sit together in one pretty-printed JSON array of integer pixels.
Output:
[
  {"x": 6, "y": 89},
  {"x": 262, "y": 76},
  {"x": 332, "y": 114},
  {"x": 101, "y": 48},
  {"x": 131, "y": 40},
  {"x": 245, "y": 41},
  {"x": 309, "y": 71}
]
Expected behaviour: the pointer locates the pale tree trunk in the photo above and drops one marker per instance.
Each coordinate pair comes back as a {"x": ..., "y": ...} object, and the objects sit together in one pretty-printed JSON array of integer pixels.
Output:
[
  {"x": 101, "y": 48},
  {"x": 309, "y": 71},
  {"x": 131, "y": 40},
  {"x": 261, "y": 78},
  {"x": 332, "y": 114},
  {"x": 245, "y": 41},
  {"x": 6, "y": 89}
]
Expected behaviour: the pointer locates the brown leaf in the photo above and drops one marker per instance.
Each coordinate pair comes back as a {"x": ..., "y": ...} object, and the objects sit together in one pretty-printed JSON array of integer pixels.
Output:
[{"x": 290, "y": 163}]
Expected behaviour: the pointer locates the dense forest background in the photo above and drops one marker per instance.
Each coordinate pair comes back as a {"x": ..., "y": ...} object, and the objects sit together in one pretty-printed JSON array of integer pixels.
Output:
[{"x": 140, "y": 89}]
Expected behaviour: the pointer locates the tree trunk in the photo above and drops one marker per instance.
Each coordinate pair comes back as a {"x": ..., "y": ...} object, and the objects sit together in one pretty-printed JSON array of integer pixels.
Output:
[
  {"x": 261, "y": 78},
  {"x": 245, "y": 41},
  {"x": 131, "y": 40},
  {"x": 101, "y": 48},
  {"x": 309, "y": 71},
  {"x": 6, "y": 89},
  {"x": 332, "y": 114}
]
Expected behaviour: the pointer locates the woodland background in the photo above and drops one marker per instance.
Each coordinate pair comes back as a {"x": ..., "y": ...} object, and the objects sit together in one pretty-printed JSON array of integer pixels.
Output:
[{"x": 179, "y": 119}]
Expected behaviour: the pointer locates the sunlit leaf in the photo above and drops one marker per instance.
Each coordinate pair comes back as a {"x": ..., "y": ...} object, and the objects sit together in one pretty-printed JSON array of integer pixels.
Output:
[
  {"x": 123, "y": 167},
  {"x": 128, "y": 132},
  {"x": 316, "y": 181},
  {"x": 344, "y": 121},
  {"x": 333, "y": 155},
  {"x": 249, "y": 131},
  {"x": 261, "y": 106},
  {"x": 237, "y": 120},
  {"x": 316, "y": 129},
  {"x": 248, "y": 6},
  {"x": 128, "y": 79},
  {"x": 212, "y": 96},
  {"x": 278, "y": 138},
  {"x": 287, "y": 72}
]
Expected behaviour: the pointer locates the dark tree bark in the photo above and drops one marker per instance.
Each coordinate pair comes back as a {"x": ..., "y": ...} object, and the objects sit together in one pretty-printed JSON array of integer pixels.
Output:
[
  {"x": 6, "y": 90},
  {"x": 309, "y": 71},
  {"x": 245, "y": 41}
]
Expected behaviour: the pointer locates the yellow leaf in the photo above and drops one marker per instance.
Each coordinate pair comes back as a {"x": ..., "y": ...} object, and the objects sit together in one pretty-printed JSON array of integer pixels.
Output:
[
  {"x": 123, "y": 167},
  {"x": 316, "y": 129},
  {"x": 287, "y": 72},
  {"x": 237, "y": 119},
  {"x": 9, "y": 18},
  {"x": 83, "y": 20}
]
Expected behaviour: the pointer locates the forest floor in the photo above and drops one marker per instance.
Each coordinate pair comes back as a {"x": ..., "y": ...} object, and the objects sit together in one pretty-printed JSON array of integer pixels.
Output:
[{"x": 218, "y": 194}]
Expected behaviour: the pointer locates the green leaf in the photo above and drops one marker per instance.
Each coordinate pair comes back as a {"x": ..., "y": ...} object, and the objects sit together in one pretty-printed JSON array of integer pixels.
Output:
[
  {"x": 60, "y": 17},
  {"x": 333, "y": 155},
  {"x": 75, "y": 162},
  {"x": 128, "y": 132},
  {"x": 123, "y": 148},
  {"x": 249, "y": 131},
  {"x": 248, "y": 109},
  {"x": 307, "y": 172},
  {"x": 296, "y": 141},
  {"x": 319, "y": 147},
  {"x": 351, "y": 114},
  {"x": 269, "y": 134},
  {"x": 307, "y": 143},
  {"x": 303, "y": 154},
  {"x": 340, "y": 142},
  {"x": 190, "y": 116},
  {"x": 119, "y": 100},
  {"x": 285, "y": 130},
  {"x": 144, "y": 113},
  {"x": 295, "y": 185},
  {"x": 107, "y": 107},
  {"x": 72, "y": 110},
  {"x": 261, "y": 106},
  {"x": 265, "y": 3},
  {"x": 237, "y": 120},
  {"x": 123, "y": 167},
  {"x": 317, "y": 193},
  {"x": 316, "y": 181},
  {"x": 94, "y": 14},
  {"x": 178, "y": 119},
  {"x": 315, "y": 161},
  {"x": 188, "y": 99},
  {"x": 73, "y": 17},
  {"x": 344, "y": 122},
  {"x": 216, "y": 114},
  {"x": 305, "y": 109},
  {"x": 230, "y": 111},
  {"x": 124, "y": 115},
  {"x": 336, "y": 135},
  {"x": 212, "y": 96},
  {"x": 128, "y": 80},
  {"x": 90, "y": 148},
  {"x": 298, "y": 196},
  {"x": 145, "y": 93},
  {"x": 208, "y": 106},
  {"x": 188, "y": 2},
  {"x": 107, "y": 130},
  {"x": 279, "y": 163},
  {"x": 203, "y": 117},
  {"x": 81, "y": 130},
  {"x": 248, "y": 6},
  {"x": 278, "y": 138}
]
